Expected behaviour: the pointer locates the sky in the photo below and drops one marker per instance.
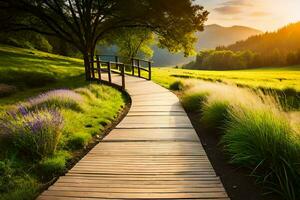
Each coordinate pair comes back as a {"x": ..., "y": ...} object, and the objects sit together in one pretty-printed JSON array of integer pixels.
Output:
[{"x": 265, "y": 15}]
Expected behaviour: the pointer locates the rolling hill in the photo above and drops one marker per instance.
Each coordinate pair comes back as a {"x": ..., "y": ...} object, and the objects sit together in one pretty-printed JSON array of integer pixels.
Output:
[{"x": 284, "y": 40}]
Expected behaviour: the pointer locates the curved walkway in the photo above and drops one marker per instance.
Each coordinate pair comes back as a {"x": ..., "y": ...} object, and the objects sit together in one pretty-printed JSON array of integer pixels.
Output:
[{"x": 154, "y": 153}]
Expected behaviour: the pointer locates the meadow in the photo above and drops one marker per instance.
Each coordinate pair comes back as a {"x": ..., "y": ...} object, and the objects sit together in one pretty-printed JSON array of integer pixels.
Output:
[
  {"x": 48, "y": 115},
  {"x": 256, "y": 130},
  {"x": 270, "y": 78}
]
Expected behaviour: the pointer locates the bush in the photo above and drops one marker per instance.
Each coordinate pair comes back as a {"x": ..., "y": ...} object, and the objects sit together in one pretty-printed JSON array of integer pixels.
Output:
[
  {"x": 61, "y": 98},
  {"x": 6, "y": 173},
  {"x": 35, "y": 133},
  {"x": 265, "y": 142},
  {"x": 177, "y": 85},
  {"x": 78, "y": 140},
  {"x": 215, "y": 114},
  {"x": 53, "y": 165},
  {"x": 193, "y": 102},
  {"x": 25, "y": 188},
  {"x": 15, "y": 185}
]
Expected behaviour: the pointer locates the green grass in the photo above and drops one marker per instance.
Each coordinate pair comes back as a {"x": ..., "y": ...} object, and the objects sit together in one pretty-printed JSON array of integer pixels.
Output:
[
  {"x": 215, "y": 114},
  {"x": 272, "y": 78},
  {"x": 193, "y": 102},
  {"x": 85, "y": 114},
  {"x": 265, "y": 142},
  {"x": 32, "y": 72}
]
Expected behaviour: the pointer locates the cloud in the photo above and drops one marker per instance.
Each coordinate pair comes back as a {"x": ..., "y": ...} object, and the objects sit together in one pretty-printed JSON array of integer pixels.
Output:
[
  {"x": 259, "y": 14},
  {"x": 238, "y": 3},
  {"x": 228, "y": 10}
]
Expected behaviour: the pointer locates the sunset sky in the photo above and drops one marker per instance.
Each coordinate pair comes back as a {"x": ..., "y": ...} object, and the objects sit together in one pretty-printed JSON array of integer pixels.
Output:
[{"x": 266, "y": 15}]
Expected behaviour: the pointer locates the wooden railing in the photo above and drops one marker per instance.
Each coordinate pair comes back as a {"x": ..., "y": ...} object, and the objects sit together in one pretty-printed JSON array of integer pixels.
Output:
[{"x": 111, "y": 64}]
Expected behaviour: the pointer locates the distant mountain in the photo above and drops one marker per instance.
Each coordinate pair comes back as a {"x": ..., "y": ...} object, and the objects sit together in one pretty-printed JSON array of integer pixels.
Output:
[
  {"x": 213, "y": 35},
  {"x": 282, "y": 41}
]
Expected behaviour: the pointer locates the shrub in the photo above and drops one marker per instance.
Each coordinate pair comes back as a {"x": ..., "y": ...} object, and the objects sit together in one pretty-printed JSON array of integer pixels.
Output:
[
  {"x": 264, "y": 141},
  {"x": 14, "y": 184},
  {"x": 193, "y": 102},
  {"x": 25, "y": 188},
  {"x": 78, "y": 140},
  {"x": 177, "y": 85},
  {"x": 215, "y": 114},
  {"x": 35, "y": 133},
  {"x": 53, "y": 165},
  {"x": 61, "y": 98},
  {"x": 6, "y": 90},
  {"x": 6, "y": 173}
]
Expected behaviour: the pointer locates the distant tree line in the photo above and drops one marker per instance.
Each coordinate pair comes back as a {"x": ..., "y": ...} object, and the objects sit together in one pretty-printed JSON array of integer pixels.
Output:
[{"x": 279, "y": 48}]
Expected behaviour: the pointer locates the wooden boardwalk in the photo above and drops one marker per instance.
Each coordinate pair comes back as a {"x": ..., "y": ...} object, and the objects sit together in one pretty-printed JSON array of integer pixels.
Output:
[{"x": 154, "y": 153}]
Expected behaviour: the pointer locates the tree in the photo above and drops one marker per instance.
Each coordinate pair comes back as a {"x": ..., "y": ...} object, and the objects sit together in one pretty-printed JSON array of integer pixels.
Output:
[
  {"x": 83, "y": 23},
  {"x": 133, "y": 42}
]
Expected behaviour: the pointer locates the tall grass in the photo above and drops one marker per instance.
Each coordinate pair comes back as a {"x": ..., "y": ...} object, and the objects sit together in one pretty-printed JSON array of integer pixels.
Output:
[
  {"x": 215, "y": 114},
  {"x": 257, "y": 132},
  {"x": 266, "y": 142},
  {"x": 193, "y": 102},
  {"x": 61, "y": 98},
  {"x": 36, "y": 133},
  {"x": 177, "y": 85}
]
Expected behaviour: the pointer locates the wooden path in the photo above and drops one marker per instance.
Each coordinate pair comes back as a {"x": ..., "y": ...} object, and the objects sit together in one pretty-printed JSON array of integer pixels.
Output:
[{"x": 154, "y": 153}]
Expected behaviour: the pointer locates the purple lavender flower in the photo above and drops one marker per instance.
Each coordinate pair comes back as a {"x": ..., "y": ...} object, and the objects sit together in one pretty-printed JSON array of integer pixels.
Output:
[
  {"x": 23, "y": 110},
  {"x": 37, "y": 132},
  {"x": 60, "y": 94},
  {"x": 61, "y": 98}
]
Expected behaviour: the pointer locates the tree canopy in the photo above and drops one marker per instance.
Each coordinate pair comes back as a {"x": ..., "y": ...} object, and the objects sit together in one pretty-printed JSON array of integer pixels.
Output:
[
  {"x": 83, "y": 23},
  {"x": 133, "y": 42}
]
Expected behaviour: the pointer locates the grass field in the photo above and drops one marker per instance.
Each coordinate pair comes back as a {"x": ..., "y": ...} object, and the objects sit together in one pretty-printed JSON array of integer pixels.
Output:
[
  {"x": 45, "y": 96},
  {"x": 33, "y": 71},
  {"x": 271, "y": 78}
]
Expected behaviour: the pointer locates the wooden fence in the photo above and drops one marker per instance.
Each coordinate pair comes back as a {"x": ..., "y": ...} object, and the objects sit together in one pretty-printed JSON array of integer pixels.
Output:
[{"x": 106, "y": 65}]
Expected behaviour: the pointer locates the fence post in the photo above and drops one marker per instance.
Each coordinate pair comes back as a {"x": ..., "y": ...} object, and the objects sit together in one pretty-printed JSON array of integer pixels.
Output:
[
  {"x": 139, "y": 69},
  {"x": 98, "y": 68},
  {"x": 109, "y": 72},
  {"x": 149, "y": 70},
  {"x": 117, "y": 61},
  {"x": 92, "y": 68},
  {"x": 132, "y": 66},
  {"x": 123, "y": 75}
]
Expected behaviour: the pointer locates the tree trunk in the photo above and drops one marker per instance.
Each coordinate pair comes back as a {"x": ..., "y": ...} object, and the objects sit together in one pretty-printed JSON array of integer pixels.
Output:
[
  {"x": 87, "y": 66},
  {"x": 88, "y": 55}
]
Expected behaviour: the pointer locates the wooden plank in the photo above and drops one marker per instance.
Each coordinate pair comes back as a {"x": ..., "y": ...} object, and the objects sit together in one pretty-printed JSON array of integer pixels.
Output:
[
  {"x": 150, "y": 195},
  {"x": 78, "y": 198},
  {"x": 152, "y": 134},
  {"x": 154, "y": 113},
  {"x": 141, "y": 177},
  {"x": 145, "y": 186},
  {"x": 136, "y": 190},
  {"x": 157, "y": 108}
]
